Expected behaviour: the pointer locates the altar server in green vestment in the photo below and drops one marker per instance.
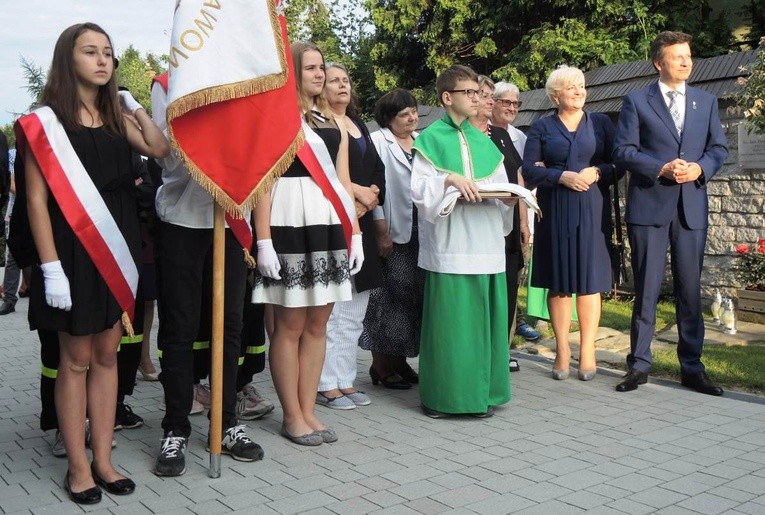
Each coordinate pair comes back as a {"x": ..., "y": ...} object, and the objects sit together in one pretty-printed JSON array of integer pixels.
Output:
[{"x": 463, "y": 346}]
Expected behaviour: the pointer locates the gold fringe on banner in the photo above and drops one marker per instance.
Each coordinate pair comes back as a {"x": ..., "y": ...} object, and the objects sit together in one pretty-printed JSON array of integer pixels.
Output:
[
  {"x": 233, "y": 91},
  {"x": 241, "y": 89},
  {"x": 127, "y": 325},
  {"x": 263, "y": 187},
  {"x": 224, "y": 92},
  {"x": 276, "y": 171}
]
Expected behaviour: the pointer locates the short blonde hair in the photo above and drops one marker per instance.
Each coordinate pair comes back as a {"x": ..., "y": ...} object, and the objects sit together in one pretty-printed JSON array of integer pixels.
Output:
[
  {"x": 560, "y": 78},
  {"x": 483, "y": 80}
]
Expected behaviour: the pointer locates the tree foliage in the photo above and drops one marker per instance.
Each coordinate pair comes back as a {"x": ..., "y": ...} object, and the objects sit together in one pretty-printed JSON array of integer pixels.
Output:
[
  {"x": 523, "y": 40},
  {"x": 135, "y": 72},
  {"x": 751, "y": 99},
  {"x": 343, "y": 32}
]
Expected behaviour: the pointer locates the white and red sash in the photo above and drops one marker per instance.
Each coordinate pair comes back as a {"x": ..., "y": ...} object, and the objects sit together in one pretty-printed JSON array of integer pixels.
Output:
[
  {"x": 81, "y": 204},
  {"x": 315, "y": 157}
]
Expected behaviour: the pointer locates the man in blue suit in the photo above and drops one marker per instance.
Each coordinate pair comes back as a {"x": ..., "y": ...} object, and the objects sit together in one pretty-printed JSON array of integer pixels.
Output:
[{"x": 670, "y": 138}]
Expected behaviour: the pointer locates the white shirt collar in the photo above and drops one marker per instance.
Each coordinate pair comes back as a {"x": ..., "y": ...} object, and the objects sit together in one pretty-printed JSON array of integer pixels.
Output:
[{"x": 664, "y": 89}]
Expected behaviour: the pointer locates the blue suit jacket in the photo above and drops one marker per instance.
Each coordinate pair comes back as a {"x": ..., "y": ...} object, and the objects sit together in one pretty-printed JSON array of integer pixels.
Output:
[{"x": 646, "y": 139}]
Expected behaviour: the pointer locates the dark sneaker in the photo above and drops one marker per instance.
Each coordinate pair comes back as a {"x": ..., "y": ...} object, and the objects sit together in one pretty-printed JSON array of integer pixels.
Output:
[
  {"x": 172, "y": 458},
  {"x": 7, "y": 308},
  {"x": 125, "y": 418},
  {"x": 238, "y": 445},
  {"x": 526, "y": 332}
]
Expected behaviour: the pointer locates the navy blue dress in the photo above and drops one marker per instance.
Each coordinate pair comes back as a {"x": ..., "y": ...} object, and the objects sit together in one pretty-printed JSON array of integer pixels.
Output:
[{"x": 570, "y": 241}]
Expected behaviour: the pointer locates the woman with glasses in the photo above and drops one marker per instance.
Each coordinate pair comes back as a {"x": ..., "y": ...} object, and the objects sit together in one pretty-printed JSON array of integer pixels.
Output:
[
  {"x": 512, "y": 160},
  {"x": 503, "y": 114},
  {"x": 394, "y": 316},
  {"x": 567, "y": 157}
]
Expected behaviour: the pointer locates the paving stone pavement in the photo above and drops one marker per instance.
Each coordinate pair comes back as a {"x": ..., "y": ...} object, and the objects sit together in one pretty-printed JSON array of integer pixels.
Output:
[{"x": 558, "y": 447}]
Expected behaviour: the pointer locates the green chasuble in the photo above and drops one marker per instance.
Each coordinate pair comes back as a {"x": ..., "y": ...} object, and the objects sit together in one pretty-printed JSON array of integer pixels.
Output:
[
  {"x": 464, "y": 358},
  {"x": 440, "y": 145},
  {"x": 464, "y": 349}
]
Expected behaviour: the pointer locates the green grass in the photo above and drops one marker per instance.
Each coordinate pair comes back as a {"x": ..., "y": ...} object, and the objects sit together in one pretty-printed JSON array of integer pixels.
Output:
[
  {"x": 735, "y": 366},
  {"x": 616, "y": 314}
]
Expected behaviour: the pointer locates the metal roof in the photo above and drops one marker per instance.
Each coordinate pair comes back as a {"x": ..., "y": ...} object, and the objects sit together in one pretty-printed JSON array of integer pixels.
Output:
[{"x": 608, "y": 84}]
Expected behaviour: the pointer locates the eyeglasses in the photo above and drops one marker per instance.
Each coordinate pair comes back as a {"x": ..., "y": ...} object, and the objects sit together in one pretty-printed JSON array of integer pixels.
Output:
[
  {"x": 484, "y": 95},
  {"x": 470, "y": 93},
  {"x": 508, "y": 103}
]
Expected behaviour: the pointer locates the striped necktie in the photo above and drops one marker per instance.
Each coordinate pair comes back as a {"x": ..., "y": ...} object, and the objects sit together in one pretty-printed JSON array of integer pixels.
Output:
[{"x": 675, "y": 112}]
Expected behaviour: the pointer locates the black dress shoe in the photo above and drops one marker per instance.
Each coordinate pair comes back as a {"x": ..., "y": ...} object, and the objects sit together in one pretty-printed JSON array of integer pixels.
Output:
[
  {"x": 406, "y": 372},
  {"x": 701, "y": 383},
  {"x": 631, "y": 380},
  {"x": 6, "y": 308},
  {"x": 120, "y": 487},
  {"x": 89, "y": 496},
  {"x": 433, "y": 413},
  {"x": 392, "y": 381}
]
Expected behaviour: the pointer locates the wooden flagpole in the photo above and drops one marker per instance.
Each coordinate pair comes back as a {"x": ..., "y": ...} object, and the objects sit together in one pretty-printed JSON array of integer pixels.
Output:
[{"x": 216, "y": 364}]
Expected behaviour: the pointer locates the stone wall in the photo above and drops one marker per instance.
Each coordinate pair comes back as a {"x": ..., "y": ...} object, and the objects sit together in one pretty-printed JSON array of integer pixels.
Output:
[{"x": 736, "y": 216}]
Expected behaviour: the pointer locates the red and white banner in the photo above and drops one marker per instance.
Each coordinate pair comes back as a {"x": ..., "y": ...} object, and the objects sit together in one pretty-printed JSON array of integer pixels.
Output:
[
  {"x": 233, "y": 112},
  {"x": 81, "y": 204},
  {"x": 239, "y": 226}
]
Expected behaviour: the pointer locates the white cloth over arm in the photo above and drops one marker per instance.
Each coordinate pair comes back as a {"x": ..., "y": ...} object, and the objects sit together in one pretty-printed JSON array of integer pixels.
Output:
[{"x": 471, "y": 239}]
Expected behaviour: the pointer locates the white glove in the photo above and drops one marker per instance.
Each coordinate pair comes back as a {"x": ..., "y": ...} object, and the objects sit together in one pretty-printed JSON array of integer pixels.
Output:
[
  {"x": 356, "y": 258},
  {"x": 128, "y": 102},
  {"x": 57, "y": 293},
  {"x": 268, "y": 261}
]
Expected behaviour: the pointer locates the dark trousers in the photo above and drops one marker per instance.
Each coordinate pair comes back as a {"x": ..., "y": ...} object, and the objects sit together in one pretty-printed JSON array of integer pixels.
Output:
[
  {"x": 513, "y": 265},
  {"x": 649, "y": 257},
  {"x": 252, "y": 358},
  {"x": 49, "y": 358},
  {"x": 184, "y": 258},
  {"x": 129, "y": 355}
]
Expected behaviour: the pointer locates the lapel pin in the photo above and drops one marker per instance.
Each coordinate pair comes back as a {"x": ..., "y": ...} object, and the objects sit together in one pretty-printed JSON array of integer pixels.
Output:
[{"x": 694, "y": 104}]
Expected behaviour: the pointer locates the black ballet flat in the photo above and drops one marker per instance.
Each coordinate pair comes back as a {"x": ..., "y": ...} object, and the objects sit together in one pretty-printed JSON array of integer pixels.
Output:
[
  {"x": 89, "y": 496},
  {"x": 397, "y": 384},
  {"x": 120, "y": 487}
]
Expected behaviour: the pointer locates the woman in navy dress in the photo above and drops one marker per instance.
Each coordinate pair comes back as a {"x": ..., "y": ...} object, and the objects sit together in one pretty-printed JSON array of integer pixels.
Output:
[{"x": 568, "y": 158}]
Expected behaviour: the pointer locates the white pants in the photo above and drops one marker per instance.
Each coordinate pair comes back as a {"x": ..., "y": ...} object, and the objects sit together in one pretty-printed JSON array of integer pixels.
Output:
[{"x": 343, "y": 331}]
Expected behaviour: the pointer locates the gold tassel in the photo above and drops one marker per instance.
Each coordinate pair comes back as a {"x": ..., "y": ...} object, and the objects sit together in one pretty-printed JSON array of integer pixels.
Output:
[
  {"x": 249, "y": 259},
  {"x": 127, "y": 325}
]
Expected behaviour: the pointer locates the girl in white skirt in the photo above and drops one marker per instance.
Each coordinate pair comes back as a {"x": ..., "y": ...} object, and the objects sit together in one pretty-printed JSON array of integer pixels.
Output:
[{"x": 304, "y": 265}]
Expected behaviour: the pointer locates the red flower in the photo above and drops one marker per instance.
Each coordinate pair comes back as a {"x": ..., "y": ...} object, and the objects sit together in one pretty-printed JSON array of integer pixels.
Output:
[
  {"x": 761, "y": 242},
  {"x": 742, "y": 249},
  {"x": 761, "y": 249}
]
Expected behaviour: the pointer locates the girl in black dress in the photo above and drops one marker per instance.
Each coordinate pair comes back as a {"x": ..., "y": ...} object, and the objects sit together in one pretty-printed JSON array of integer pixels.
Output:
[{"x": 69, "y": 294}]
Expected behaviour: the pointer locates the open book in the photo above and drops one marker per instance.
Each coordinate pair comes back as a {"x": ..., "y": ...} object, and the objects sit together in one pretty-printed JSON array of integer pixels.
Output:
[{"x": 490, "y": 191}]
